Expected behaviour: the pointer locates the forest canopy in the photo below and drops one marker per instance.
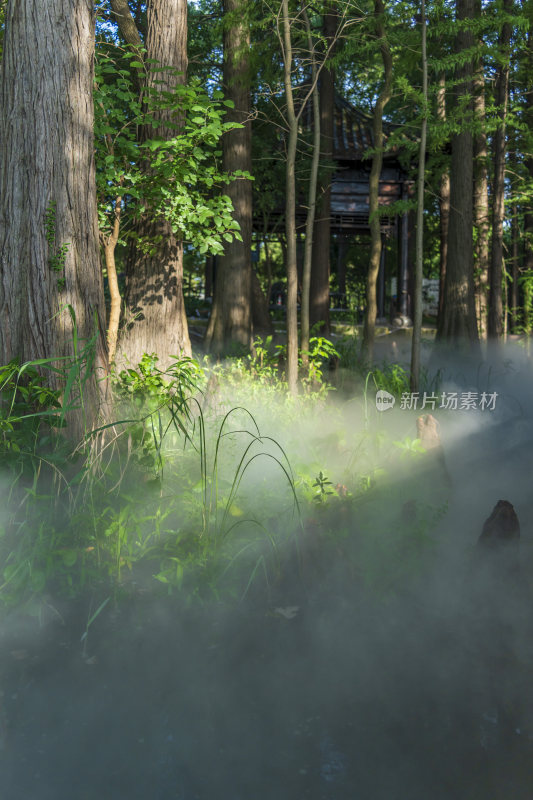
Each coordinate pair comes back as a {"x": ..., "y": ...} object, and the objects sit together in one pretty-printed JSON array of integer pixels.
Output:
[{"x": 209, "y": 118}]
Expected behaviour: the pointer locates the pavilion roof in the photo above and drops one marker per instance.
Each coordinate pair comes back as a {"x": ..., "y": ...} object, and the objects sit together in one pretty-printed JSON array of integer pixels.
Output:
[{"x": 353, "y": 133}]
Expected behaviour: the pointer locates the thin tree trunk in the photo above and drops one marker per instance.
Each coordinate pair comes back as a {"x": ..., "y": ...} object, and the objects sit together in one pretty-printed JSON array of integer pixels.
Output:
[
  {"x": 515, "y": 269},
  {"x": 311, "y": 202},
  {"x": 481, "y": 194},
  {"x": 373, "y": 190},
  {"x": 230, "y": 326},
  {"x": 110, "y": 245},
  {"x": 419, "y": 268},
  {"x": 444, "y": 197},
  {"x": 459, "y": 317},
  {"x": 528, "y": 113},
  {"x": 49, "y": 250},
  {"x": 154, "y": 317},
  {"x": 320, "y": 268},
  {"x": 495, "y": 321},
  {"x": 290, "y": 209}
]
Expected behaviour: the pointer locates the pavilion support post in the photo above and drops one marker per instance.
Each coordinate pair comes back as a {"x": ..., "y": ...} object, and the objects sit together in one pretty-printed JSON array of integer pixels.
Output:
[
  {"x": 403, "y": 278},
  {"x": 342, "y": 247},
  {"x": 381, "y": 282}
]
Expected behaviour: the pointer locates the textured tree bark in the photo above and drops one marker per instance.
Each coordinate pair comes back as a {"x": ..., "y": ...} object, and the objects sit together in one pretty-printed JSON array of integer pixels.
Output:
[
  {"x": 373, "y": 188},
  {"x": 444, "y": 198},
  {"x": 459, "y": 316},
  {"x": 47, "y": 173},
  {"x": 154, "y": 318},
  {"x": 481, "y": 196},
  {"x": 320, "y": 269},
  {"x": 495, "y": 320},
  {"x": 230, "y": 325}
]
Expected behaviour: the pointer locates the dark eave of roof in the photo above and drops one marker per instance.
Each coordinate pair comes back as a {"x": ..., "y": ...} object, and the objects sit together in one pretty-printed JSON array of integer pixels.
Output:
[{"x": 353, "y": 134}]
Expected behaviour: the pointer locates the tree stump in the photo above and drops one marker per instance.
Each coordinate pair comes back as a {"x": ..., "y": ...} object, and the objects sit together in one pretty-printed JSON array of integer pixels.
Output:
[
  {"x": 427, "y": 429},
  {"x": 502, "y": 527},
  {"x": 499, "y": 622}
]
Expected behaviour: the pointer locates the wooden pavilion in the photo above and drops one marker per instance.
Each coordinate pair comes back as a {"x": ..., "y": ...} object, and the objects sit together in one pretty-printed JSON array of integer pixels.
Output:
[{"x": 353, "y": 138}]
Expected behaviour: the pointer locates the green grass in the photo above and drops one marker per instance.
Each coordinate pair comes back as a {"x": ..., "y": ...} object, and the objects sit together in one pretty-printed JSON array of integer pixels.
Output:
[{"x": 211, "y": 482}]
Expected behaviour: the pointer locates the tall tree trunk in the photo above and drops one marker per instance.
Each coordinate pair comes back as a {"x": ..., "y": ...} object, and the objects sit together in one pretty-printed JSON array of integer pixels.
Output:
[
  {"x": 444, "y": 198},
  {"x": 528, "y": 113},
  {"x": 373, "y": 190},
  {"x": 311, "y": 202},
  {"x": 230, "y": 325},
  {"x": 154, "y": 317},
  {"x": 515, "y": 270},
  {"x": 481, "y": 194},
  {"x": 48, "y": 218},
  {"x": 290, "y": 208},
  {"x": 495, "y": 321},
  {"x": 419, "y": 269},
  {"x": 320, "y": 268},
  {"x": 459, "y": 315}
]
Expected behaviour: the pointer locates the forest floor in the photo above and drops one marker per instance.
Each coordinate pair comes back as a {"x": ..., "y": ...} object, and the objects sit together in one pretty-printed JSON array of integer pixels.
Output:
[
  {"x": 243, "y": 702},
  {"x": 382, "y": 662}
]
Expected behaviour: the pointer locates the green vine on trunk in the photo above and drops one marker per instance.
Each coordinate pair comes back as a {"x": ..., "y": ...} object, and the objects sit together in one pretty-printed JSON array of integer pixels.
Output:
[{"x": 57, "y": 256}]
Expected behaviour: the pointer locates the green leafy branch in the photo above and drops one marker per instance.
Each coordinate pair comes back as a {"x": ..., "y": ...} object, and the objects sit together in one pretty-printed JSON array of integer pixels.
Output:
[{"x": 177, "y": 179}]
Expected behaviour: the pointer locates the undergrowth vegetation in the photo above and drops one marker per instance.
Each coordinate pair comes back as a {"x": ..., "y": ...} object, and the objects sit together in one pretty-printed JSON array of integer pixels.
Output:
[{"x": 207, "y": 481}]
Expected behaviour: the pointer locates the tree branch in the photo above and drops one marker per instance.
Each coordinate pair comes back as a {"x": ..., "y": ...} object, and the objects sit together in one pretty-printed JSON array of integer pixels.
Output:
[{"x": 126, "y": 23}]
